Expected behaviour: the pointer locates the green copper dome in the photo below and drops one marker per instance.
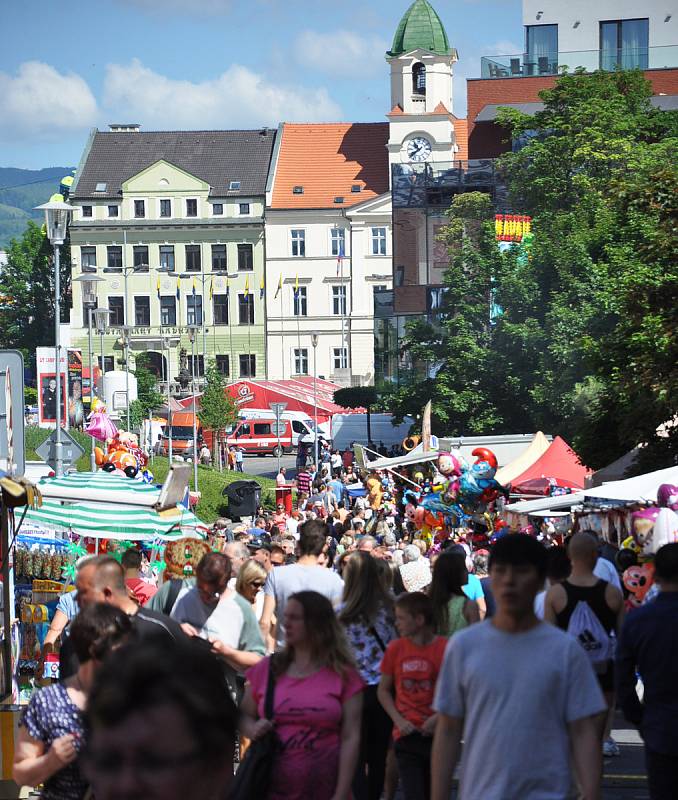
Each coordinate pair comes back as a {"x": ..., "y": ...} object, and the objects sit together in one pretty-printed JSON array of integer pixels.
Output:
[{"x": 420, "y": 29}]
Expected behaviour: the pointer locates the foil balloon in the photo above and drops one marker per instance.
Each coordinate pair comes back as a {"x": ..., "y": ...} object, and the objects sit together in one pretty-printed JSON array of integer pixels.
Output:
[
  {"x": 638, "y": 580},
  {"x": 667, "y": 496},
  {"x": 642, "y": 527}
]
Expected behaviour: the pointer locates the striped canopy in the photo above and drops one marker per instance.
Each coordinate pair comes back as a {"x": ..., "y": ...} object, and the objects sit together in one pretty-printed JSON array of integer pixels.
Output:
[{"x": 109, "y": 520}]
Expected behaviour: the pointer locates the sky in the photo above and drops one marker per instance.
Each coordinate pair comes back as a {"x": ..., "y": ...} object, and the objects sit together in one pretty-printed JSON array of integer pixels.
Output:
[{"x": 67, "y": 66}]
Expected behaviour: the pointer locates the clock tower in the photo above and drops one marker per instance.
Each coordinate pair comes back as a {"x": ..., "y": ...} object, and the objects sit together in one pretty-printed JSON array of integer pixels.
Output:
[{"x": 421, "y": 124}]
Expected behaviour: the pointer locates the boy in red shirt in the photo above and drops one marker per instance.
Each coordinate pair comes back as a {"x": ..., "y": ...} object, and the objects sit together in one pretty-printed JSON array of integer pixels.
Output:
[{"x": 409, "y": 671}]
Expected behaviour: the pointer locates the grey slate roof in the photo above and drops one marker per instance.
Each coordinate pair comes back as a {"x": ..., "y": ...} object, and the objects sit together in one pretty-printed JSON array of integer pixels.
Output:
[{"x": 216, "y": 157}]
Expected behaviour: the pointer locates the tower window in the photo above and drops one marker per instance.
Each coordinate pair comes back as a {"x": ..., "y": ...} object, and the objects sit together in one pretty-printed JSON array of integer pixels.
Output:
[{"x": 419, "y": 79}]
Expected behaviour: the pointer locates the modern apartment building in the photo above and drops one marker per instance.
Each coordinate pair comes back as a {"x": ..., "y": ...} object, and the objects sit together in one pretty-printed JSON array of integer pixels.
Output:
[
  {"x": 607, "y": 34},
  {"x": 328, "y": 249},
  {"x": 173, "y": 222}
]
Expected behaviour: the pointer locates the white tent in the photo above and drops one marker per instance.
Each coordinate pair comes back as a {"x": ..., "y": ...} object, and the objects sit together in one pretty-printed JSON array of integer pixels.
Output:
[{"x": 537, "y": 447}]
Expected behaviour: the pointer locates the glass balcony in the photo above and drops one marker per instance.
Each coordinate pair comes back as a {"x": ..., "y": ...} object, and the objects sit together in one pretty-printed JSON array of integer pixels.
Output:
[
  {"x": 526, "y": 65},
  {"x": 426, "y": 185}
]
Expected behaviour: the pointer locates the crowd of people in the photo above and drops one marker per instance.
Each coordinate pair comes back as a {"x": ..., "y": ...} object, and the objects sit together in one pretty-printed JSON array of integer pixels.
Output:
[{"x": 367, "y": 653}]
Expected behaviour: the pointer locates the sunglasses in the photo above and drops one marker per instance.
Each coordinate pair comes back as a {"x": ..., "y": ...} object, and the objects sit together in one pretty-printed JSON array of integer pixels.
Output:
[{"x": 257, "y": 584}]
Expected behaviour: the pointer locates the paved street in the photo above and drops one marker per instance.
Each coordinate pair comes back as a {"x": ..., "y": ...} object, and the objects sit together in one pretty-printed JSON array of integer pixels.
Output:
[
  {"x": 267, "y": 466},
  {"x": 624, "y": 776}
]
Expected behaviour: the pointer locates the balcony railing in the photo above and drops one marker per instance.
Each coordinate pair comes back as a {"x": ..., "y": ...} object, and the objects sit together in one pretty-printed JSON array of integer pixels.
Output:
[
  {"x": 422, "y": 185},
  {"x": 527, "y": 65}
]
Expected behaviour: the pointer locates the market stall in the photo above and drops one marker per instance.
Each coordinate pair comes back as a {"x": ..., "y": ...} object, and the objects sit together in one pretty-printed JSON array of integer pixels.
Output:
[{"x": 559, "y": 466}]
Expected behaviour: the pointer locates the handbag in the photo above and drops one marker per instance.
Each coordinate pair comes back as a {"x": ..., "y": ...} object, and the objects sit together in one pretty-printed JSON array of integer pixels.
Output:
[{"x": 254, "y": 773}]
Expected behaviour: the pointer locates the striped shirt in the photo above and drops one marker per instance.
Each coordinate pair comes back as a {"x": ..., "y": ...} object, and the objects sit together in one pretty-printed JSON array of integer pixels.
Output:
[{"x": 304, "y": 482}]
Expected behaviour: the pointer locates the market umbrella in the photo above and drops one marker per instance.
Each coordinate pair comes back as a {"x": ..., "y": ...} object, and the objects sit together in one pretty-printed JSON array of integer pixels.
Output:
[{"x": 121, "y": 520}]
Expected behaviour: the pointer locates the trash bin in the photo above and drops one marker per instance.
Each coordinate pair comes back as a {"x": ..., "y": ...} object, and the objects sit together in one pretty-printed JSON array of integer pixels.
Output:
[{"x": 243, "y": 498}]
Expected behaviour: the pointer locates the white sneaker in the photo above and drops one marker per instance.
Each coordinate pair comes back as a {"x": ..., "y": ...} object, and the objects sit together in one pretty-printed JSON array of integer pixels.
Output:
[{"x": 611, "y": 748}]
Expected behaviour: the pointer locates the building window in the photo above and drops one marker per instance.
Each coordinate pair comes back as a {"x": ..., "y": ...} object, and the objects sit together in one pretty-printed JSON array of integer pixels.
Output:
[
  {"x": 338, "y": 242},
  {"x": 419, "y": 79},
  {"x": 300, "y": 366},
  {"x": 191, "y": 208},
  {"x": 87, "y": 211},
  {"x": 193, "y": 258},
  {"x": 245, "y": 258},
  {"x": 114, "y": 258},
  {"x": 223, "y": 365},
  {"x": 113, "y": 211},
  {"x": 193, "y": 309},
  {"x": 219, "y": 257},
  {"x": 541, "y": 48},
  {"x": 165, "y": 208},
  {"x": 298, "y": 242},
  {"x": 116, "y": 305},
  {"x": 168, "y": 310},
  {"x": 220, "y": 308},
  {"x": 339, "y": 301},
  {"x": 140, "y": 255},
  {"x": 624, "y": 44},
  {"x": 300, "y": 302},
  {"x": 88, "y": 259},
  {"x": 378, "y": 241},
  {"x": 167, "y": 257},
  {"x": 246, "y": 309},
  {"x": 244, "y": 209},
  {"x": 217, "y": 209},
  {"x": 339, "y": 358},
  {"x": 139, "y": 209},
  {"x": 248, "y": 365},
  {"x": 142, "y": 311},
  {"x": 198, "y": 363}
]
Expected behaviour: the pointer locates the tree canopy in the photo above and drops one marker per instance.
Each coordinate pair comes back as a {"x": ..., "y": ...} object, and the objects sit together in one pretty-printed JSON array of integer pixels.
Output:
[{"x": 586, "y": 344}]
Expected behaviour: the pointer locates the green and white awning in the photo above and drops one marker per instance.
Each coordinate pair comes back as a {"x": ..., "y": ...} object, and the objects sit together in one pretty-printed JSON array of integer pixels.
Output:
[{"x": 124, "y": 520}]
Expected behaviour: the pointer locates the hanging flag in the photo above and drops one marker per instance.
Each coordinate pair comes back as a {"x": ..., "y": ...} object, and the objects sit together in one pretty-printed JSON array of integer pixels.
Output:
[
  {"x": 157, "y": 286},
  {"x": 211, "y": 288},
  {"x": 261, "y": 289},
  {"x": 178, "y": 288},
  {"x": 279, "y": 289},
  {"x": 340, "y": 257},
  {"x": 193, "y": 288},
  {"x": 247, "y": 286},
  {"x": 296, "y": 286}
]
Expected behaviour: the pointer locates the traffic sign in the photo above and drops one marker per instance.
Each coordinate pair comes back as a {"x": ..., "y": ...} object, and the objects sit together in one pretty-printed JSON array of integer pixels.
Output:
[
  {"x": 277, "y": 409},
  {"x": 12, "y": 448},
  {"x": 70, "y": 449}
]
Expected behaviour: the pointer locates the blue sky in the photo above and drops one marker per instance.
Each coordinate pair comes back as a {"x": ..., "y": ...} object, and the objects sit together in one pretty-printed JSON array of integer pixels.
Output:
[{"x": 67, "y": 65}]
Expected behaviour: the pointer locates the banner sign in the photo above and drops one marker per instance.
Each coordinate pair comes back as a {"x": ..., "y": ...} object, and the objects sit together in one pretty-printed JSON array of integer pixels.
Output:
[{"x": 512, "y": 227}]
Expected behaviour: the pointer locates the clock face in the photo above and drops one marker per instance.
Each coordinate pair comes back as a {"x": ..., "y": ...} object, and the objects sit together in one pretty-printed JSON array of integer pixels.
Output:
[{"x": 418, "y": 149}]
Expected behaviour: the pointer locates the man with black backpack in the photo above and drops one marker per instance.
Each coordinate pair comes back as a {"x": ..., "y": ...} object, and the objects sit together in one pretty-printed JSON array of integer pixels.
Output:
[{"x": 591, "y": 610}]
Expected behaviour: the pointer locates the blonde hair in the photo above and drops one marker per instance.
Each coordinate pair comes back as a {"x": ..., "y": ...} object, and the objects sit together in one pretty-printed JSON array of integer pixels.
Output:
[{"x": 249, "y": 572}]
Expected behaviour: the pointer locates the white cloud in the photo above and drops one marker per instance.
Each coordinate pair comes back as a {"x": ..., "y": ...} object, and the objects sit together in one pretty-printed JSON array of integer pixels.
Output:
[
  {"x": 236, "y": 98},
  {"x": 341, "y": 53},
  {"x": 43, "y": 103}
]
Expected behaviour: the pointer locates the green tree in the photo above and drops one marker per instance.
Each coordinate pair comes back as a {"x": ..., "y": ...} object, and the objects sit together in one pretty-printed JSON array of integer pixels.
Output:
[
  {"x": 217, "y": 408},
  {"x": 27, "y": 292},
  {"x": 148, "y": 396},
  {"x": 358, "y": 397}
]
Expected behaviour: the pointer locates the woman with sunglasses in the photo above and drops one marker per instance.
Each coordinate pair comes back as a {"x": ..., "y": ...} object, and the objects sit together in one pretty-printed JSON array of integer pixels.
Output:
[{"x": 249, "y": 584}]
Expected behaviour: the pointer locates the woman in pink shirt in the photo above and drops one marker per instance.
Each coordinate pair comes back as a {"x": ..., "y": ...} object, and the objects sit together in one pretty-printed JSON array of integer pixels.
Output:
[{"x": 316, "y": 707}]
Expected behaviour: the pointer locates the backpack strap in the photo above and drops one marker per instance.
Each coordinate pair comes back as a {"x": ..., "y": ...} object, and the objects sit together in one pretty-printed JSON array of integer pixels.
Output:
[
  {"x": 270, "y": 691},
  {"x": 175, "y": 588}
]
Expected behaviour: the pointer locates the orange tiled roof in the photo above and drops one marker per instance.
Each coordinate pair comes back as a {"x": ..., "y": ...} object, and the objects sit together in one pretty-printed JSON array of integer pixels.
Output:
[
  {"x": 461, "y": 132},
  {"x": 327, "y": 159}
]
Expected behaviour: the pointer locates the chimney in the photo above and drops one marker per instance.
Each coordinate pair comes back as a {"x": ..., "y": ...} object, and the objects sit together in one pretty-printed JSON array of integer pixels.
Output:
[{"x": 124, "y": 127}]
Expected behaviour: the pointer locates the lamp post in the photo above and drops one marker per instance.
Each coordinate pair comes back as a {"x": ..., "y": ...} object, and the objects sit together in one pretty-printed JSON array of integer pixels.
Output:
[
  {"x": 56, "y": 224},
  {"x": 101, "y": 317},
  {"x": 192, "y": 333},
  {"x": 89, "y": 300},
  {"x": 126, "y": 333},
  {"x": 314, "y": 342},
  {"x": 166, "y": 341}
]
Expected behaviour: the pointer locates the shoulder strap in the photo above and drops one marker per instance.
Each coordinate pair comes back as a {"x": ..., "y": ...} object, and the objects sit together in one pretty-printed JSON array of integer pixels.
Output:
[
  {"x": 175, "y": 588},
  {"x": 270, "y": 691},
  {"x": 380, "y": 641}
]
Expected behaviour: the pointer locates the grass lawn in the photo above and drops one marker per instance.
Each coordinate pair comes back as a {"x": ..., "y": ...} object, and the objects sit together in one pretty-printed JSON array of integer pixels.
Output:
[{"x": 210, "y": 481}]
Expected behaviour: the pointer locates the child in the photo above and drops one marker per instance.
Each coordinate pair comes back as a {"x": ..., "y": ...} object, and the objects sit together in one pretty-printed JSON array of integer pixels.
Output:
[{"x": 409, "y": 671}]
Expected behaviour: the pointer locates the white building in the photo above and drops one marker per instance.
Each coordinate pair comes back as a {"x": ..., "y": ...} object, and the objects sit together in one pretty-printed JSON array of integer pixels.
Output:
[{"x": 328, "y": 247}]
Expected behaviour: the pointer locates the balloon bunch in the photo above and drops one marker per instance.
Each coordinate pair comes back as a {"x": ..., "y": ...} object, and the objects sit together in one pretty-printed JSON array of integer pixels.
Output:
[{"x": 123, "y": 457}]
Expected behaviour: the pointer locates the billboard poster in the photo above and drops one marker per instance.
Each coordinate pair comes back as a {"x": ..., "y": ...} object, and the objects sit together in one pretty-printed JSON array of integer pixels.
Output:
[
  {"x": 47, "y": 397},
  {"x": 76, "y": 408}
]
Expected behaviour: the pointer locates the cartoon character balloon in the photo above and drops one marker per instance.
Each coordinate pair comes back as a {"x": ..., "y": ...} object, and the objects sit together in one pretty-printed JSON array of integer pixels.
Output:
[{"x": 667, "y": 496}]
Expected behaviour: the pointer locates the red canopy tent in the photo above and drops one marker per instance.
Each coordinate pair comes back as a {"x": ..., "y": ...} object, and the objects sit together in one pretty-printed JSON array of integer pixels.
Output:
[
  {"x": 559, "y": 465},
  {"x": 297, "y": 393}
]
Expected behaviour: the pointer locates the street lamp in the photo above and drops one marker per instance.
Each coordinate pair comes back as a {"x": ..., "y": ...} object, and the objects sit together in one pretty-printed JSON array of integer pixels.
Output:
[
  {"x": 314, "y": 342},
  {"x": 89, "y": 300},
  {"x": 192, "y": 333},
  {"x": 56, "y": 224},
  {"x": 126, "y": 333},
  {"x": 101, "y": 317}
]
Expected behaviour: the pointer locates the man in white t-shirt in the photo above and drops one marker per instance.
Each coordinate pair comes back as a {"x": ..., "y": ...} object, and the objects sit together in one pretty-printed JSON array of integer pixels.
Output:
[
  {"x": 534, "y": 709},
  {"x": 306, "y": 574}
]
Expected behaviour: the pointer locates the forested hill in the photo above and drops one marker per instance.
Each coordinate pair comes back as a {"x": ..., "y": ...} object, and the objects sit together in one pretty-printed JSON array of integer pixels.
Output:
[{"x": 20, "y": 191}]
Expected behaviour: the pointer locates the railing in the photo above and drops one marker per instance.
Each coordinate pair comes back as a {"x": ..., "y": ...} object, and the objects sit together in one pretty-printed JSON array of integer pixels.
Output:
[
  {"x": 421, "y": 185},
  {"x": 529, "y": 65}
]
